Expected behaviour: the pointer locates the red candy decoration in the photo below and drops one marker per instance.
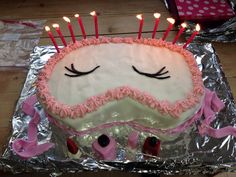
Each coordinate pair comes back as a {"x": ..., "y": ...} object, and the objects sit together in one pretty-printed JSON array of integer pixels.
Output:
[
  {"x": 72, "y": 146},
  {"x": 151, "y": 146}
]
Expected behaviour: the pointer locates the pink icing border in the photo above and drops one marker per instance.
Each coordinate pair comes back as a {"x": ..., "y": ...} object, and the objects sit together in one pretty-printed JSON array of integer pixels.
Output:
[{"x": 93, "y": 103}]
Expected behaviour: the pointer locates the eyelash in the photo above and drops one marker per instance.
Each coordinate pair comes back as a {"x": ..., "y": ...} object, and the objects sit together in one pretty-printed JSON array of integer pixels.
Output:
[
  {"x": 77, "y": 73},
  {"x": 158, "y": 75}
]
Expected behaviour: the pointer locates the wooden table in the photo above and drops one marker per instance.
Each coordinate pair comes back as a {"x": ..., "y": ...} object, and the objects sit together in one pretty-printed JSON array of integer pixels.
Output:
[{"x": 116, "y": 18}]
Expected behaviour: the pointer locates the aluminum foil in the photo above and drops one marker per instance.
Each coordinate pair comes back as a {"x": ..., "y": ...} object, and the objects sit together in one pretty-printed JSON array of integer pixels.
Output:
[
  {"x": 17, "y": 40},
  {"x": 223, "y": 33},
  {"x": 188, "y": 153}
]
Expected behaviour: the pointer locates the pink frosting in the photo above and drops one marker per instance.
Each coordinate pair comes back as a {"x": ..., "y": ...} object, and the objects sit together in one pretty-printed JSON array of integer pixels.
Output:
[
  {"x": 27, "y": 105},
  {"x": 93, "y": 103},
  {"x": 133, "y": 139}
]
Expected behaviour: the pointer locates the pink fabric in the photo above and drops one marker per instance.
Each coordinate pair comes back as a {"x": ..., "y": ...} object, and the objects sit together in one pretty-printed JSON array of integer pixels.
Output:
[
  {"x": 204, "y": 9},
  {"x": 30, "y": 147}
]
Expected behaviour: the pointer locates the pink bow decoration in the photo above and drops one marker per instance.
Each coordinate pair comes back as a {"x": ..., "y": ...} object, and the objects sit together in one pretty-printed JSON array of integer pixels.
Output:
[
  {"x": 211, "y": 105},
  {"x": 217, "y": 133},
  {"x": 28, "y": 105},
  {"x": 30, "y": 147}
]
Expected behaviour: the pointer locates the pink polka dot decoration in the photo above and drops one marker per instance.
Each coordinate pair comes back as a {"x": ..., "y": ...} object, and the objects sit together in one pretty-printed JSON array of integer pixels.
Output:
[{"x": 204, "y": 9}]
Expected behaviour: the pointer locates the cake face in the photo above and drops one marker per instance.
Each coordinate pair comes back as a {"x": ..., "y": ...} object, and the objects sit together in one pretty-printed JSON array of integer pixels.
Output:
[
  {"x": 116, "y": 62},
  {"x": 110, "y": 81}
]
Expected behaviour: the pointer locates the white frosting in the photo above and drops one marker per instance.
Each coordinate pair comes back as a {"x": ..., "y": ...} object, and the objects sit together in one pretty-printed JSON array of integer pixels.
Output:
[
  {"x": 128, "y": 110},
  {"x": 115, "y": 61}
]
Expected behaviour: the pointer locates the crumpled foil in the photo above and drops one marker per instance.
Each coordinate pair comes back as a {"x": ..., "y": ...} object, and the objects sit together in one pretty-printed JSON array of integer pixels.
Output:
[
  {"x": 188, "y": 153},
  {"x": 17, "y": 40},
  {"x": 223, "y": 33}
]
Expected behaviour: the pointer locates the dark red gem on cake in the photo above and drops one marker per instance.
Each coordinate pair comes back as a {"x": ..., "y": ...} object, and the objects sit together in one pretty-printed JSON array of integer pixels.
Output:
[
  {"x": 103, "y": 140},
  {"x": 72, "y": 146},
  {"x": 151, "y": 146},
  {"x": 153, "y": 141}
]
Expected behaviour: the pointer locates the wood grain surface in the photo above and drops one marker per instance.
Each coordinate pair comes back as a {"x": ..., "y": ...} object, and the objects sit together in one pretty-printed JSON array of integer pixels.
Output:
[{"x": 116, "y": 18}]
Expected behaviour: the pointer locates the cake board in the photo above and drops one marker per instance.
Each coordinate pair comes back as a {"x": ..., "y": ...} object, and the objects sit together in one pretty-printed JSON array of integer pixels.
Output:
[{"x": 189, "y": 153}]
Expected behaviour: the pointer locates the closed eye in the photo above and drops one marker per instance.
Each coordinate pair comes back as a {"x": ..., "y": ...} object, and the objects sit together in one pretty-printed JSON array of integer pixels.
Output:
[
  {"x": 158, "y": 75},
  {"x": 75, "y": 73}
]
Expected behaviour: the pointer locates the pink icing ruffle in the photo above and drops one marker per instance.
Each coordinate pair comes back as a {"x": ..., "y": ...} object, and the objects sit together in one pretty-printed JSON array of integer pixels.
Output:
[{"x": 92, "y": 104}]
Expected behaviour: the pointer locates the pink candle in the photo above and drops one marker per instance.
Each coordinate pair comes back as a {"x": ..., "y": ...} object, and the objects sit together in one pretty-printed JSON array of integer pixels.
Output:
[
  {"x": 140, "y": 17},
  {"x": 81, "y": 25},
  {"x": 95, "y": 18},
  {"x": 171, "y": 23},
  {"x": 56, "y": 26},
  {"x": 197, "y": 29},
  {"x": 70, "y": 28},
  {"x": 157, "y": 16},
  {"x": 52, "y": 38},
  {"x": 181, "y": 30}
]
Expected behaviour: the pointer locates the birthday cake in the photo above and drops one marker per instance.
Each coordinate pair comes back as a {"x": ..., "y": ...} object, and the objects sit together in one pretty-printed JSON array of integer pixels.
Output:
[
  {"x": 149, "y": 85},
  {"x": 145, "y": 83}
]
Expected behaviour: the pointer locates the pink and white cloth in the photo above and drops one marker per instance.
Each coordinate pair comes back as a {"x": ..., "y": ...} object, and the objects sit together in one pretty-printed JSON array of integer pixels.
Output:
[{"x": 204, "y": 9}]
